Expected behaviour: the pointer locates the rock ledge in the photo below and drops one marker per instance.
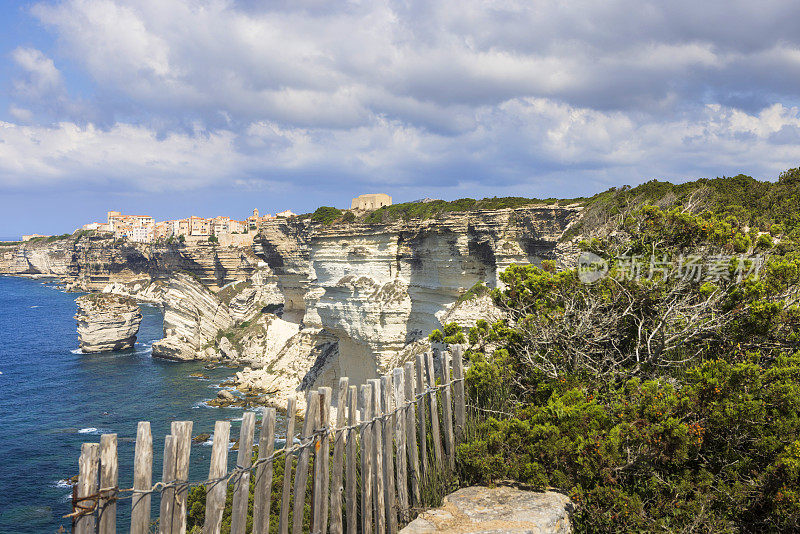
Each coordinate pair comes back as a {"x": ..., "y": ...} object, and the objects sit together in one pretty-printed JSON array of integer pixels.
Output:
[{"x": 502, "y": 510}]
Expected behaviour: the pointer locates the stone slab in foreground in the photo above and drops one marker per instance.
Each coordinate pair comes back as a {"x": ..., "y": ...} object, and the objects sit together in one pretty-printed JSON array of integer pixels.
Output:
[{"x": 496, "y": 511}]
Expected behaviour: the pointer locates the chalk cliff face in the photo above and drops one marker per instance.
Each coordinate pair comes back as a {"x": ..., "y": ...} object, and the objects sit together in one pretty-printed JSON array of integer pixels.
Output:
[
  {"x": 377, "y": 288},
  {"x": 52, "y": 258},
  {"x": 372, "y": 293},
  {"x": 351, "y": 299},
  {"x": 107, "y": 322},
  {"x": 283, "y": 244},
  {"x": 193, "y": 315},
  {"x": 91, "y": 262}
]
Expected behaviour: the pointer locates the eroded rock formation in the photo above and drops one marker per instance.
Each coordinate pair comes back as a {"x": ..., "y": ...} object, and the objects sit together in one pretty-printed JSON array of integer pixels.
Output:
[
  {"x": 378, "y": 288},
  {"x": 89, "y": 262},
  {"x": 193, "y": 316},
  {"x": 308, "y": 303},
  {"x": 107, "y": 322}
]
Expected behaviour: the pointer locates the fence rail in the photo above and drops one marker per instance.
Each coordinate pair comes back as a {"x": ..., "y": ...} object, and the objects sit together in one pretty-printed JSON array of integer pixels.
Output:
[{"x": 379, "y": 462}]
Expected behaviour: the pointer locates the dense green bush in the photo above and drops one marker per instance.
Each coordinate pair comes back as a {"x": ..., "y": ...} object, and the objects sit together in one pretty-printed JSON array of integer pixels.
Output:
[
  {"x": 656, "y": 402},
  {"x": 326, "y": 215},
  {"x": 717, "y": 450}
]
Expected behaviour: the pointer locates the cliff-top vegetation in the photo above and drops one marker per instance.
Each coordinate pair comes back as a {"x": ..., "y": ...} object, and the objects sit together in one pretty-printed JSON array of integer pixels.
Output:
[
  {"x": 660, "y": 397},
  {"x": 752, "y": 202}
]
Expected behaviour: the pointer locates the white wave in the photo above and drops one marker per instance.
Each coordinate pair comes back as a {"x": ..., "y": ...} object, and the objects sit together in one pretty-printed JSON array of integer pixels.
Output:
[
  {"x": 63, "y": 483},
  {"x": 76, "y": 351},
  {"x": 94, "y": 431}
]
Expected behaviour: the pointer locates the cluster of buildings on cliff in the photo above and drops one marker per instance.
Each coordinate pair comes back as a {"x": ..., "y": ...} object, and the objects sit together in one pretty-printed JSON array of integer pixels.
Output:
[{"x": 144, "y": 229}]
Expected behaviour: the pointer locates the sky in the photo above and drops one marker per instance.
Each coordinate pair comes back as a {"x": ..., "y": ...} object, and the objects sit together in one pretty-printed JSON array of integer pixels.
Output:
[{"x": 173, "y": 108}]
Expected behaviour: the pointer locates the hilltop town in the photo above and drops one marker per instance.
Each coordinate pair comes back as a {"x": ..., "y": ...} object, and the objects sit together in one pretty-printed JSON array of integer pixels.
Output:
[
  {"x": 144, "y": 229},
  {"x": 221, "y": 229}
]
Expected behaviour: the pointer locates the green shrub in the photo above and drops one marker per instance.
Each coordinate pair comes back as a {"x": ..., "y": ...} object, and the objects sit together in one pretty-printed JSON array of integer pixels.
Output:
[
  {"x": 452, "y": 335},
  {"x": 657, "y": 403},
  {"x": 326, "y": 215}
]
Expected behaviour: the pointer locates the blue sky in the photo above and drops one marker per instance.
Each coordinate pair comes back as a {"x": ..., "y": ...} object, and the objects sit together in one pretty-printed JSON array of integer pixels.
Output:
[{"x": 207, "y": 107}]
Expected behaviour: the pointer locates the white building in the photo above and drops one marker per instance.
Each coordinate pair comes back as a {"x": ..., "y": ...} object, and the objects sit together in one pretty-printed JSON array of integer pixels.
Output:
[{"x": 140, "y": 234}]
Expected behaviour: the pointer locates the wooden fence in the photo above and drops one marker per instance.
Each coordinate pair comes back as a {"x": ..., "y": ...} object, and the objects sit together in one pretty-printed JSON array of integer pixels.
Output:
[{"x": 389, "y": 437}]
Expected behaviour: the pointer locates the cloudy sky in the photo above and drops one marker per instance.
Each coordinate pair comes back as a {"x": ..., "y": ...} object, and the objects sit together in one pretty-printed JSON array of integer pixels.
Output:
[{"x": 207, "y": 107}]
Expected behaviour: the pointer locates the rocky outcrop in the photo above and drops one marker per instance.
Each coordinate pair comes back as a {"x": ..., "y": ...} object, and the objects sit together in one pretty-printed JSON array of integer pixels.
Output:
[
  {"x": 305, "y": 361},
  {"x": 48, "y": 256},
  {"x": 107, "y": 322},
  {"x": 193, "y": 316},
  {"x": 377, "y": 288},
  {"x": 497, "y": 511},
  {"x": 367, "y": 296},
  {"x": 283, "y": 245},
  {"x": 350, "y": 300},
  {"x": 90, "y": 261}
]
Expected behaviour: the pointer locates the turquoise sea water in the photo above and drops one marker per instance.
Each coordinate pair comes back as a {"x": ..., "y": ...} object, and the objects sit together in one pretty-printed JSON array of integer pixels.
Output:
[{"x": 53, "y": 398}]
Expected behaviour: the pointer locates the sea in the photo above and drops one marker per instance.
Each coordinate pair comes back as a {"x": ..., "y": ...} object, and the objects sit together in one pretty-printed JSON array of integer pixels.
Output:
[{"x": 53, "y": 398}]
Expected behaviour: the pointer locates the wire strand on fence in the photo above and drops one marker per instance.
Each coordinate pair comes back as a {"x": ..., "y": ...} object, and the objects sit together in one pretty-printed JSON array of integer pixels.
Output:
[{"x": 238, "y": 471}]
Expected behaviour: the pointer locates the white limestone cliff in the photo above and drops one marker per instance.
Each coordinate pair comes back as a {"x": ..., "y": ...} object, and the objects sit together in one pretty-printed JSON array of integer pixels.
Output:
[
  {"x": 372, "y": 293},
  {"x": 193, "y": 315},
  {"x": 107, "y": 322}
]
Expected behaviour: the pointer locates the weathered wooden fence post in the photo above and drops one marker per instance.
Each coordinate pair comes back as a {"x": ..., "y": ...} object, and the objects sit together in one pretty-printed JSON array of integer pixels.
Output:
[
  {"x": 263, "y": 481},
  {"x": 352, "y": 445},
  {"x": 388, "y": 456},
  {"x": 458, "y": 390},
  {"x": 241, "y": 483},
  {"x": 423, "y": 432},
  {"x": 400, "y": 441},
  {"x": 437, "y": 440},
  {"x": 366, "y": 457},
  {"x": 337, "y": 487},
  {"x": 88, "y": 465},
  {"x": 301, "y": 475},
  {"x": 283, "y": 521},
  {"x": 167, "y": 494},
  {"x": 411, "y": 427},
  {"x": 447, "y": 410},
  {"x": 217, "y": 473},
  {"x": 377, "y": 453},
  {"x": 109, "y": 475},
  {"x": 182, "y": 430},
  {"x": 142, "y": 479},
  {"x": 322, "y": 464}
]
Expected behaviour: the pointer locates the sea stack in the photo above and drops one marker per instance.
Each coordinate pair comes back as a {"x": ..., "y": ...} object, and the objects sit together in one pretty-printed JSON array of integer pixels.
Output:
[{"x": 107, "y": 322}]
